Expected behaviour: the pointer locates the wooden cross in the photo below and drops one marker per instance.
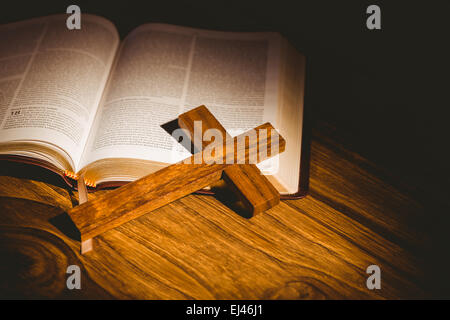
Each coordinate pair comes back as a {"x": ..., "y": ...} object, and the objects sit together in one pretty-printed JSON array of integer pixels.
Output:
[{"x": 171, "y": 183}]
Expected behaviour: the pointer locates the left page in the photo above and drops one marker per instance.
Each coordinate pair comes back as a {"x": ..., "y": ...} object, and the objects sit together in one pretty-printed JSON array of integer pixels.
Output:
[{"x": 52, "y": 79}]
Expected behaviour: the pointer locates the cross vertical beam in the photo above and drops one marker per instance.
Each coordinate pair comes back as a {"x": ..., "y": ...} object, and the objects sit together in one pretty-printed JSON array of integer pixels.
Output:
[{"x": 246, "y": 180}]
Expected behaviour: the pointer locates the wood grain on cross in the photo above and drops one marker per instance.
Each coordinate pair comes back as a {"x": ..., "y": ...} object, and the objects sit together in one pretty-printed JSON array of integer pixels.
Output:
[
  {"x": 171, "y": 183},
  {"x": 246, "y": 181}
]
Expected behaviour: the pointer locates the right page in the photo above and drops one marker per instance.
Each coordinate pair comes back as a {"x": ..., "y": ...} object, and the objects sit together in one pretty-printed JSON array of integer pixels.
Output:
[{"x": 165, "y": 70}]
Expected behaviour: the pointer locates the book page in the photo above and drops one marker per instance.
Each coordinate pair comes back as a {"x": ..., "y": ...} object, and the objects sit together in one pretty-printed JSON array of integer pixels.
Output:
[
  {"x": 165, "y": 70},
  {"x": 52, "y": 78}
]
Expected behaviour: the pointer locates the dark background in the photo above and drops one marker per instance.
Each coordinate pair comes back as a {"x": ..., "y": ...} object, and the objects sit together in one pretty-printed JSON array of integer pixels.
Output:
[{"x": 383, "y": 92}]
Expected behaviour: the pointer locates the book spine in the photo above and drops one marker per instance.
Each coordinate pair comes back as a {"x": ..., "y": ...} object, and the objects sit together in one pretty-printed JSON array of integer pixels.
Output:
[{"x": 74, "y": 176}]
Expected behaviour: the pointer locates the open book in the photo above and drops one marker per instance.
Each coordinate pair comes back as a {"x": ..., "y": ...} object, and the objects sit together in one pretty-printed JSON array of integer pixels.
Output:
[{"x": 85, "y": 104}]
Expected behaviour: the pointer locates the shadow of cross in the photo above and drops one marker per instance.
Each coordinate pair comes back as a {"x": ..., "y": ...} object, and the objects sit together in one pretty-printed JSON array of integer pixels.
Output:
[{"x": 196, "y": 172}]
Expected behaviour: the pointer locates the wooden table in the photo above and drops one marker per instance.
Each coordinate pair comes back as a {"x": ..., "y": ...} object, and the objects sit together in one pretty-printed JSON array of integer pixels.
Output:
[{"x": 318, "y": 247}]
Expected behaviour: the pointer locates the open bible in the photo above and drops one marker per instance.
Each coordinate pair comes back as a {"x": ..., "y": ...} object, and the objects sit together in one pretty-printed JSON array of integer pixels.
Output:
[{"x": 82, "y": 103}]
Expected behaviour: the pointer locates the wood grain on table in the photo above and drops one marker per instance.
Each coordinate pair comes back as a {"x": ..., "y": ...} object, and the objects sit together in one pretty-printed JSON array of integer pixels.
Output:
[{"x": 317, "y": 247}]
